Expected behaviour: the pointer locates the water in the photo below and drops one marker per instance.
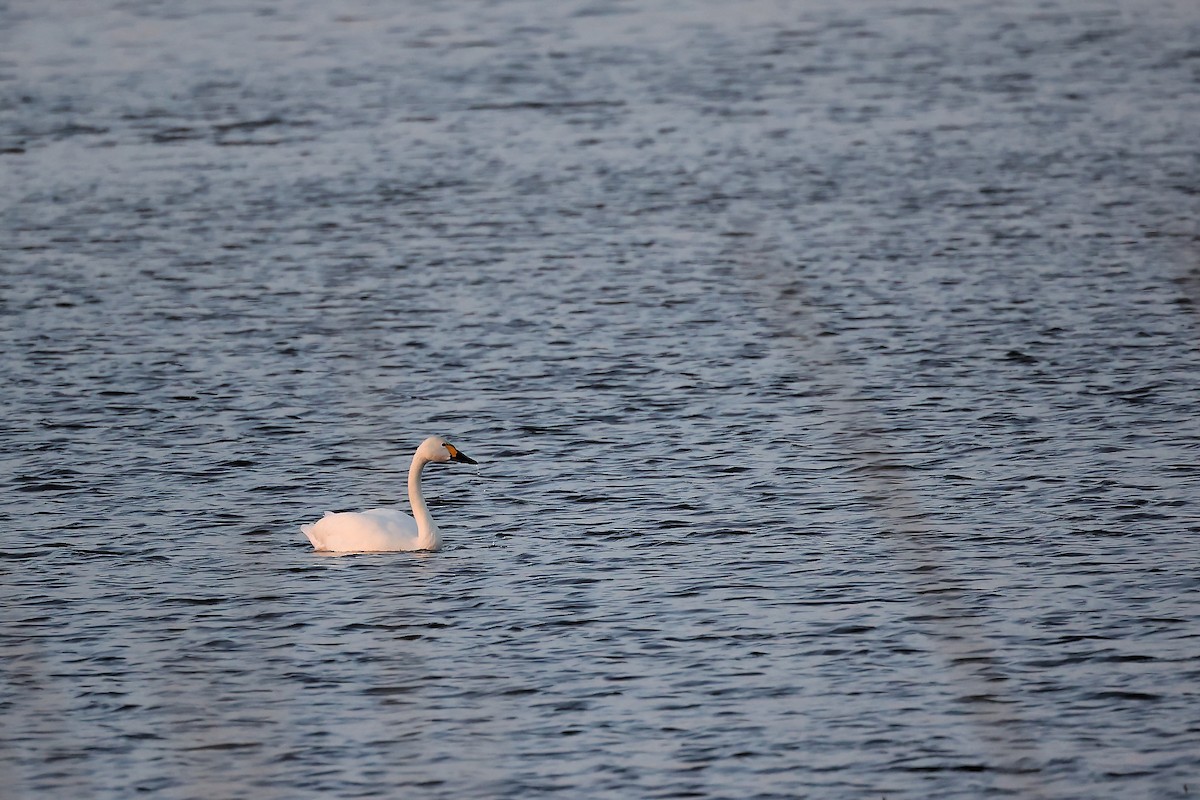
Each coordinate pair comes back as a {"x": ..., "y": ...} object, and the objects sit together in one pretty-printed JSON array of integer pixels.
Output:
[{"x": 833, "y": 374}]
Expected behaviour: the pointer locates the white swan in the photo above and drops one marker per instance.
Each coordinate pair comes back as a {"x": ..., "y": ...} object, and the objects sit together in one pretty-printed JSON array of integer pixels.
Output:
[{"x": 387, "y": 529}]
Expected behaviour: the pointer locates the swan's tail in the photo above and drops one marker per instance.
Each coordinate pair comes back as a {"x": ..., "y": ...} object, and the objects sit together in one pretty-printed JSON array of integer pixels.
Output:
[{"x": 311, "y": 532}]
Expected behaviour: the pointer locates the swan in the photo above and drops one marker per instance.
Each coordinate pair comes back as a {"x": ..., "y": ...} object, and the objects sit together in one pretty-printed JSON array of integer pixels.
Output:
[{"x": 388, "y": 529}]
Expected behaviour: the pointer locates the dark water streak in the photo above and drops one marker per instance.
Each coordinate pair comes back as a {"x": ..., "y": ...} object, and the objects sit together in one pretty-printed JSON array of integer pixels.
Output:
[{"x": 834, "y": 371}]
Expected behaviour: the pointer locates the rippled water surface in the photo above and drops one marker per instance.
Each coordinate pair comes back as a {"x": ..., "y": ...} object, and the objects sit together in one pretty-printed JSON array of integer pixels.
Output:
[{"x": 832, "y": 369}]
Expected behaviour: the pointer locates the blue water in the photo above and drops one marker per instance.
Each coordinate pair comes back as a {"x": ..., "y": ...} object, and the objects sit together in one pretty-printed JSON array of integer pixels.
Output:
[{"x": 833, "y": 374}]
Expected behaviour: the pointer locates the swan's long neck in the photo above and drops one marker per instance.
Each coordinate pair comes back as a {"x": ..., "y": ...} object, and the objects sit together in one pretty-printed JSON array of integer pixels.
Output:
[{"x": 427, "y": 532}]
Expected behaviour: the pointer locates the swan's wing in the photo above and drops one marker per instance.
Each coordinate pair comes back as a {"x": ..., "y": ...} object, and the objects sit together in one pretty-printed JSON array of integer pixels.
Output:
[
  {"x": 377, "y": 530},
  {"x": 394, "y": 520}
]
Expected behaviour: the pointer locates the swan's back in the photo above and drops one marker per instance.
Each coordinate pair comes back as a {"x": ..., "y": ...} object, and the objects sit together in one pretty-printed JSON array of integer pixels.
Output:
[{"x": 380, "y": 529}]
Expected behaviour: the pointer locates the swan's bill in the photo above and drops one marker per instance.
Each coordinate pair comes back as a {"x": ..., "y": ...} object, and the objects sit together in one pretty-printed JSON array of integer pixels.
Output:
[{"x": 458, "y": 455}]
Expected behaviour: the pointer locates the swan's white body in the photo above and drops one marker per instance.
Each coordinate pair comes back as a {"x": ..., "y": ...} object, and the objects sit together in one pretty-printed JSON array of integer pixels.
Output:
[{"x": 387, "y": 529}]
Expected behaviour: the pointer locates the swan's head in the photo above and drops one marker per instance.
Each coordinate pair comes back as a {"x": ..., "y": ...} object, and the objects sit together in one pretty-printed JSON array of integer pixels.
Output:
[{"x": 435, "y": 448}]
